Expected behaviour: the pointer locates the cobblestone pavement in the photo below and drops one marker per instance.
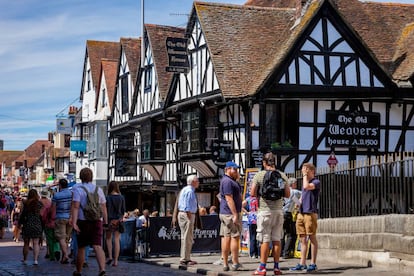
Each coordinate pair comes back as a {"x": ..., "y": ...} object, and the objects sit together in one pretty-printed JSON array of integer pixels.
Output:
[{"x": 11, "y": 254}]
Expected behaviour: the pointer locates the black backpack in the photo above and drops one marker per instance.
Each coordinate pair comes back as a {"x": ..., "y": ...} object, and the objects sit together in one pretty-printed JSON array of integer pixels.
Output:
[{"x": 273, "y": 187}]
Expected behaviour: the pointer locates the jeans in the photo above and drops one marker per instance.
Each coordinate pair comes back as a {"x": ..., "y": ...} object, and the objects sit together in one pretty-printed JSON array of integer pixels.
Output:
[{"x": 254, "y": 245}]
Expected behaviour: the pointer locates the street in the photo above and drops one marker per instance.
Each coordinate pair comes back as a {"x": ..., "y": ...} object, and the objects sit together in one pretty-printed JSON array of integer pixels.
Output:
[{"x": 11, "y": 255}]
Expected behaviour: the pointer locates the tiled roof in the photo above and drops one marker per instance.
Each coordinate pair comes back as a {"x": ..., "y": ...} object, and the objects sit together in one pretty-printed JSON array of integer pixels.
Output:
[
  {"x": 386, "y": 28},
  {"x": 110, "y": 69},
  {"x": 157, "y": 35},
  {"x": 243, "y": 42},
  {"x": 33, "y": 152},
  {"x": 272, "y": 3},
  {"x": 132, "y": 49},
  {"x": 8, "y": 156},
  {"x": 96, "y": 51}
]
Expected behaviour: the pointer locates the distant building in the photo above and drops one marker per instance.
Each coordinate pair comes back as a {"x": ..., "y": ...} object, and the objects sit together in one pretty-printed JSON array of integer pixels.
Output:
[{"x": 1, "y": 144}]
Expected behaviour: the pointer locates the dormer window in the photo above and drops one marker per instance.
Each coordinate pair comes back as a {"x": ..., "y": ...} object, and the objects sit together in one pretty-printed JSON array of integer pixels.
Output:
[
  {"x": 103, "y": 104},
  {"x": 124, "y": 94},
  {"x": 88, "y": 79},
  {"x": 147, "y": 78}
]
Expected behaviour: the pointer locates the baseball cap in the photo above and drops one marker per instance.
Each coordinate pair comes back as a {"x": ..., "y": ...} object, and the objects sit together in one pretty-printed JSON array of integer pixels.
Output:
[{"x": 231, "y": 164}]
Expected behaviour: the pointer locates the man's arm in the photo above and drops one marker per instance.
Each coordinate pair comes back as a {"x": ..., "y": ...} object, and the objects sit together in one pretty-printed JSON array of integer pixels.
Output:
[
  {"x": 104, "y": 213},
  {"x": 75, "y": 212},
  {"x": 307, "y": 185},
  {"x": 232, "y": 206}
]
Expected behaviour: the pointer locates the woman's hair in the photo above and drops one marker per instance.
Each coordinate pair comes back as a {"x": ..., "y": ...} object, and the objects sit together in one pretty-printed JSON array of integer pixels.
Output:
[
  {"x": 113, "y": 187},
  {"x": 32, "y": 201}
]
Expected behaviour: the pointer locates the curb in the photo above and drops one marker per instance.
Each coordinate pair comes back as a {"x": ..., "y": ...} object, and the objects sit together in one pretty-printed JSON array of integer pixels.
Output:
[{"x": 190, "y": 269}]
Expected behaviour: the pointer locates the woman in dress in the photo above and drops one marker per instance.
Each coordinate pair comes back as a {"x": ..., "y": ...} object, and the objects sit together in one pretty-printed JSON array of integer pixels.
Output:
[
  {"x": 3, "y": 215},
  {"x": 31, "y": 221},
  {"x": 115, "y": 204},
  {"x": 15, "y": 215}
]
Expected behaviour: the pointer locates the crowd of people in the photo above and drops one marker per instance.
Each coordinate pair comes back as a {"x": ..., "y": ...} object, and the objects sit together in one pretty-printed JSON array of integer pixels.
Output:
[
  {"x": 277, "y": 212},
  {"x": 70, "y": 221}
]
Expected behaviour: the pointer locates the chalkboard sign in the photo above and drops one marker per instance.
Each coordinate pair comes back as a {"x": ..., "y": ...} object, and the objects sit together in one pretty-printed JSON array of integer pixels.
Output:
[
  {"x": 352, "y": 129},
  {"x": 248, "y": 178}
]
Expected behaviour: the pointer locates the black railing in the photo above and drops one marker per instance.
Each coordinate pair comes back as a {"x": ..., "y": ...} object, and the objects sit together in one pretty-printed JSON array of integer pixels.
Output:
[{"x": 376, "y": 186}]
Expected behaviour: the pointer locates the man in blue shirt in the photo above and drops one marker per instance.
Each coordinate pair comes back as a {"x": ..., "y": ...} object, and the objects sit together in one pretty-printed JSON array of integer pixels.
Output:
[
  {"x": 187, "y": 208},
  {"x": 61, "y": 206},
  {"x": 307, "y": 220},
  {"x": 230, "y": 217}
]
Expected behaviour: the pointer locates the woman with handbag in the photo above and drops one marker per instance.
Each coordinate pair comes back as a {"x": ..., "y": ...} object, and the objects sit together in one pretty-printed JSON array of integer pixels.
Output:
[{"x": 115, "y": 204}]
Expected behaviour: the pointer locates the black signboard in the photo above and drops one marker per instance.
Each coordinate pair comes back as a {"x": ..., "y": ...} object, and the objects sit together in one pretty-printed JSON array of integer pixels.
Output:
[
  {"x": 177, "y": 55},
  {"x": 125, "y": 162},
  {"x": 352, "y": 129},
  {"x": 165, "y": 239},
  {"x": 222, "y": 151}
]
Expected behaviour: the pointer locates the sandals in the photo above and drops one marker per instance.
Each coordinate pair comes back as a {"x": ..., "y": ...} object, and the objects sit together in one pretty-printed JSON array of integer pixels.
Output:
[
  {"x": 64, "y": 261},
  {"x": 102, "y": 273},
  {"x": 108, "y": 262}
]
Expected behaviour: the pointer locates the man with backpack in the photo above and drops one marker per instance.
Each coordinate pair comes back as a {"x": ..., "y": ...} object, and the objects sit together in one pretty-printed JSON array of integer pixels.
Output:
[
  {"x": 88, "y": 219},
  {"x": 270, "y": 186}
]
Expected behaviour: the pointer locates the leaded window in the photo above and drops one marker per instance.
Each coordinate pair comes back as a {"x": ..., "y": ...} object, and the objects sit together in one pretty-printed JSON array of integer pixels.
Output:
[{"x": 191, "y": 131}]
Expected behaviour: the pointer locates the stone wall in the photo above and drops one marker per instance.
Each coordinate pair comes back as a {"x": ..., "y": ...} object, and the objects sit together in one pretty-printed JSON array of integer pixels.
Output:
[{"x": 375, "y": 240}]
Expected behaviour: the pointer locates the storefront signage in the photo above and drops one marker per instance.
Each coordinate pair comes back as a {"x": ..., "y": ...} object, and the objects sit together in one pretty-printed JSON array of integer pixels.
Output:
[
  {"x": 125, "y": 162},
  {"x": 352, "y": 129},
  {"x": 165, "y": 239},
  {"x": 222, "y": 151},
  {"x": 177, "y": 55},
  {"x": 78, "y": 145}
]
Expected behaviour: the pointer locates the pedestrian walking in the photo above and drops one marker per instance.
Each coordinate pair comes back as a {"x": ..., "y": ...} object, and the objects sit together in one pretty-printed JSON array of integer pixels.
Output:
[
  {"x": 61, "y": 208},
  {"x": 115, "y": 204},
  {"x": 307, "y": 220},
  {"x": 230, "y": 215},
  {"x": 31, "y": 223},
  {"x": 15, "y": 215},
  {"x": 48, "y": 220},
  {"x": 4, "y": 217},
  {"x": 187, "y": 209},
  {"x": 250, "y": 206},
  {"x": 270, "y": 186},
  {"x": 289, "y": 225},
  {"x": 88, "y": 218}
]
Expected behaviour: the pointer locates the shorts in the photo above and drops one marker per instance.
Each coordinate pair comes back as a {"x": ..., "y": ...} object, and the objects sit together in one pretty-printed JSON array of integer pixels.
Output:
[
  {"x": 63, "y": 229},
  {"x": 269, "y": 226},
  {"x": 91, "y": 233},
  {"x": 306, "y": 224},
  {"x": 228, "y": 228}
]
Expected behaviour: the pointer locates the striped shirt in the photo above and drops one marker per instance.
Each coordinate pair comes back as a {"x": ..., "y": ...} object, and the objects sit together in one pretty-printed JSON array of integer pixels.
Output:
[{"x": 63, "y": 201}]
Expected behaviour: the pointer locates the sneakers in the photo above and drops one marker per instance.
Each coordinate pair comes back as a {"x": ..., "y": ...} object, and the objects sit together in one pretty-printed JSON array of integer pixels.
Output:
[
  {"x": 311, "y": 268},
  {"x": 277, "y": 271},
  {"x": 299, "y": 267},
  {"x": 235, "y": 267},
  {"x": 259, "y": 271},
  {"x": 218, "y": 262}
]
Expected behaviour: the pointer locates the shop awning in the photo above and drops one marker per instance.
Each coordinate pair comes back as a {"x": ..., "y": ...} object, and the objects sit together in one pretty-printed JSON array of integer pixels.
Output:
[{"x": 206, "y": 168}]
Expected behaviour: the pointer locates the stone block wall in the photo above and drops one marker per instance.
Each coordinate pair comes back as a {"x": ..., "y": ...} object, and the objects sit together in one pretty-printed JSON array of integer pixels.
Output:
[{"x": 375, "y": 240}]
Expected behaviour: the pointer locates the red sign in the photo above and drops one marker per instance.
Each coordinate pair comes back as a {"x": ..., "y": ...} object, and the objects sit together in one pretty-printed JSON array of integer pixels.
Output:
[{"x": 332, "y": 161}]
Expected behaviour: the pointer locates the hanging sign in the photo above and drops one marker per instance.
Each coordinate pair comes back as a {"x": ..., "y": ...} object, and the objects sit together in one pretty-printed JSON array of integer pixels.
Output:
[
  {"x": 352, "y": 129},
  {"x": 64, "y": 126},
  {"x": 78, "y": 145},
  {"x": 125, "y": 162},
  {"x": 177, "y": 55}
]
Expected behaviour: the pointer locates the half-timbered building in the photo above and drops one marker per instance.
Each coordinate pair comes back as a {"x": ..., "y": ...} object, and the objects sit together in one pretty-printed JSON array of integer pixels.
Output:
[
  {"x": 122, "y": 154},
  {"x": 156, "y": 157},
  {"x": 302, "y": 79},
  {"x": 92, "y": 125}
]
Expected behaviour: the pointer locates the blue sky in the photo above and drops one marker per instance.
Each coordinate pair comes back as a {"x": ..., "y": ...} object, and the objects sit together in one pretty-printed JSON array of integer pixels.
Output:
[{"x": 42, "y": 48}]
